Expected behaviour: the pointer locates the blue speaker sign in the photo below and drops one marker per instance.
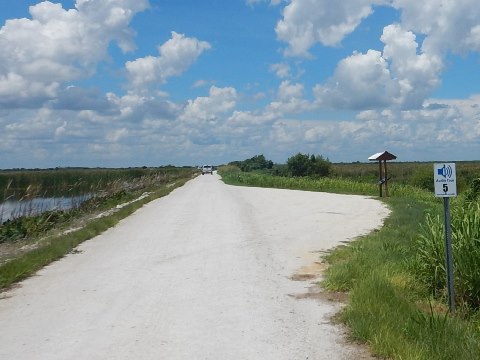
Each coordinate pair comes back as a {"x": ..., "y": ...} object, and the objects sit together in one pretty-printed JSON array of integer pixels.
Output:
[{"x": 445, "y": 179}]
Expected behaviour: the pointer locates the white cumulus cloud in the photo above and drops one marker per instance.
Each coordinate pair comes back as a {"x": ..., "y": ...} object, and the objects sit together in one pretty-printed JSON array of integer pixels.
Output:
[
  {"x": 288, "y": 91},
  {"x": 176, "y": 56},
  {"x": 307, "y": 22},
  {"x": 417, "y": 74},
  {"x": 58, "y": 45},
  {"x": 282, "y": 70},
  {"x": 208, "y": 108},
  {"x": 407, "y": 71},
  {"x": 360, "y": 81},
  {"x": 448, "y": 25},
  {"x": 401, "y": 76}
]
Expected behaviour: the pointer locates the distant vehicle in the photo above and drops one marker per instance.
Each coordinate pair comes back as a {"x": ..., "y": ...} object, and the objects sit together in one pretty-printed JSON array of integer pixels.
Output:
[{"x": 207, "y": 169}]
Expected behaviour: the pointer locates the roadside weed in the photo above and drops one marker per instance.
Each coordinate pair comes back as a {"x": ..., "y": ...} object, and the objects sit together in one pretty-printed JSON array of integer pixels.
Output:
[{"x": 430, "y": 258}]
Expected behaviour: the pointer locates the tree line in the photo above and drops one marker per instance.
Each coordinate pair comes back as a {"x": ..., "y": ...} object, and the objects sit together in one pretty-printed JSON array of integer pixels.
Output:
[{"x": 297, "y": 165}]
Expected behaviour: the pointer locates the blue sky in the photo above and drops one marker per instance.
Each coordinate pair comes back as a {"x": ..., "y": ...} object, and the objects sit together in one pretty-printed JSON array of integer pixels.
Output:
[{"x": 123, "y": 83}]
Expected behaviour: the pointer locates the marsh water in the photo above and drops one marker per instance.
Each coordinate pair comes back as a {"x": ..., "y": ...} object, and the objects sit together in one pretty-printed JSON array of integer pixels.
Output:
[{"x": 12, "y": 209}]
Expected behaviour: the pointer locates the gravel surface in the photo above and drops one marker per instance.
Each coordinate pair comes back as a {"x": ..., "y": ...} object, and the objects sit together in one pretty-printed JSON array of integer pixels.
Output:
[{"x": 209, "y": 272}]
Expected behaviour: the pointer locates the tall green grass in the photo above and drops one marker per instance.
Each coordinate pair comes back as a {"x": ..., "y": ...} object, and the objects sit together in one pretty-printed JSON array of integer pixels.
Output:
[
  {"x": 418, "y": 174},
  {"x": 19, "y": 184},
  {"x": 383, "y": 315},
  {"x": 429, "y": 263},
  {"x": 388, "y": 308},
  {"x": 232, "y": 175},
  {"x": 299, "y": 183}
]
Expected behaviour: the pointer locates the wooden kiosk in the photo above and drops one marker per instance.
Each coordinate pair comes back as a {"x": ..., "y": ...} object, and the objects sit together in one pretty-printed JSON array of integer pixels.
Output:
[{"x": 382, "y": 158}]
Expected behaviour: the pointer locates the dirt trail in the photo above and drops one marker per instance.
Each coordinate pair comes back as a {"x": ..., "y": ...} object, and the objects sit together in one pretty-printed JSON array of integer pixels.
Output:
[{"x": 207, "y": 272}]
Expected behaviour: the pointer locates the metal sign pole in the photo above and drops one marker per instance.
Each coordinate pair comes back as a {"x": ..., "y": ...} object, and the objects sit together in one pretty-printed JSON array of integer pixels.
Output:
[
  {"x": 449, "y": 260},
  {"x": 445, "y": 184}
]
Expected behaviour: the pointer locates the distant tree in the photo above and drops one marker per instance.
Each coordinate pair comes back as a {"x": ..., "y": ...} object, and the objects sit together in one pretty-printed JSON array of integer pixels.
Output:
[
  {"x": 236, "y": 163},
  {"x": 280, "y": 170},
  {"x": 299, "y": 164},
  {"x": 309, "y": 165},
  {"x": 320, "y": 166},
  {"x": 258, "y": 162}
]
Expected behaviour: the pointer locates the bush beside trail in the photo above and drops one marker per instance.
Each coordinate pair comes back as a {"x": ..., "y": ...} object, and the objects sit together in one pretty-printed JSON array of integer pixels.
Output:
[{"x": 429, "y": 264}]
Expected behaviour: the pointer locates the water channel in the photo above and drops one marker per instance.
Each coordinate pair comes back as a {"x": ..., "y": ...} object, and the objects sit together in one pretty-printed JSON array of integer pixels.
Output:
[{"x": 12, "y": 209}]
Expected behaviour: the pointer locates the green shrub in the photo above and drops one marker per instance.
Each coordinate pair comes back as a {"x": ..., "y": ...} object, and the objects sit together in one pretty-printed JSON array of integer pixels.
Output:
[
  {"x": 422, "y": 177},
  {"x": 279, "y": 170},
  {"x": 258, "y": 162},
  {"x": 430, "y": 260},
  {"x": 473, "y": 193},
  {"x": 309, "y": 165}
]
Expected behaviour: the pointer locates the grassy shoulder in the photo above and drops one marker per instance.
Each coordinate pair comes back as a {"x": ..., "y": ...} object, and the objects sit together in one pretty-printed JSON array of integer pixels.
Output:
[
  {"x": 388, "y": 308},
  {"x": 58, "y": 242}
]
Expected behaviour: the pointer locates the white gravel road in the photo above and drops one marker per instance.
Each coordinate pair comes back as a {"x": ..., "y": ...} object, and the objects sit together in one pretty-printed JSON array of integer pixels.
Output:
[{"x": 204, "y": 273}]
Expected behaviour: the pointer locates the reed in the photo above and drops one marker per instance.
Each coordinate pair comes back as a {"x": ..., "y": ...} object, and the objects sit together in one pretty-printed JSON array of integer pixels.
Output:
[
  {"x": 70, "y": 182},
  {"x": 429, "y": 265},
  {"x": 33, "y": 217}
]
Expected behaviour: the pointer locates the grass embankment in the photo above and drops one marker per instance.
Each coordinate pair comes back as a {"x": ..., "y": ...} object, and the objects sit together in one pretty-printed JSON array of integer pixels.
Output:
[
  {"x": 232, "y": 175},
  {"x": 30, "y": 216},
  {"x": 27, "y": 184},
  {"x": 391, "y": 308},
  {"x": 56, "y": 243}
]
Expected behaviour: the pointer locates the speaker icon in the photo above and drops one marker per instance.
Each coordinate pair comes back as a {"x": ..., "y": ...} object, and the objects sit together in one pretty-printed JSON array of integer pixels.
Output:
[{"x": 446, "y": 171}]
